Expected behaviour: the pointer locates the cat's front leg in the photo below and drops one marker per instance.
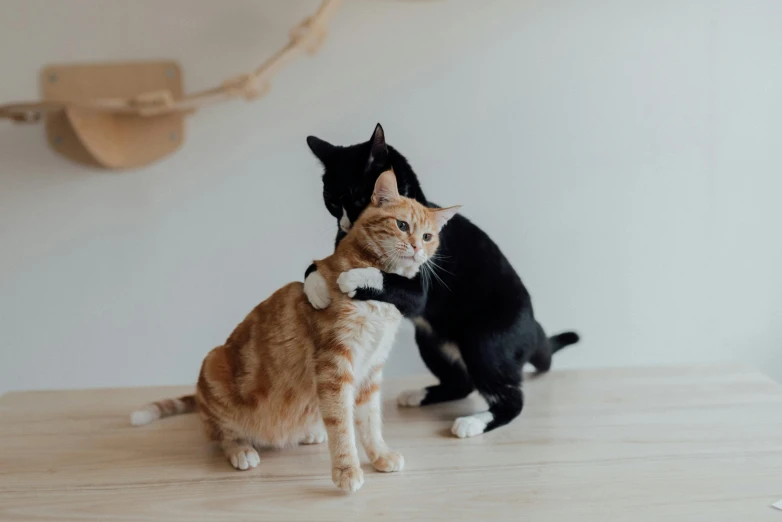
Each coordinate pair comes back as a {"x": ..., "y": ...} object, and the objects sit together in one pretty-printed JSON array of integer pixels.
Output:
[
  {"x": 369, "y": 421},
  {"x": 369, "y": 278},
  {"x": 408, "y": 295},
  {"x": 336, "y": 397}
]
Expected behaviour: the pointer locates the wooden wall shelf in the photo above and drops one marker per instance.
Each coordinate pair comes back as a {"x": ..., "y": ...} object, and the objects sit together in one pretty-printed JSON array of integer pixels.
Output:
[{"x": 125, "y": 115}]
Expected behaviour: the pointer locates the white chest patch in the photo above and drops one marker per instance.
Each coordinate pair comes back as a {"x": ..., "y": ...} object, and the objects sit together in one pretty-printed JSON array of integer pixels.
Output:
[
  {"x": 344, "y": 221},
  {"x": 369, "y": 330}
]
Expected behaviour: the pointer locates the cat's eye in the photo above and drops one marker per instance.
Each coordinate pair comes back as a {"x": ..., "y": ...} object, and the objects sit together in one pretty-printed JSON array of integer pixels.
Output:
[
  {"x": 427, "y": 237},
  {"x": 403, "y": 226}
]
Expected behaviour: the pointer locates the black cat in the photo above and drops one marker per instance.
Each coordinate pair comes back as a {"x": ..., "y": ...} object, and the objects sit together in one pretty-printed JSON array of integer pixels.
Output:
[{"x": 474, "y": 323}]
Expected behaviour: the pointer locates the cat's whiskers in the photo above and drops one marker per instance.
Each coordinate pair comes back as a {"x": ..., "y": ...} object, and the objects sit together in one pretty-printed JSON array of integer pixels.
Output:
[
  {"x": 425, "y": 279},
  {"x": 375, "y": 248},
  {"x": 431, "y": 270},
  {"x": 390, "y": 256},
  {"x": 393, "y": 261},
  {"x": 435, "y": 265}
]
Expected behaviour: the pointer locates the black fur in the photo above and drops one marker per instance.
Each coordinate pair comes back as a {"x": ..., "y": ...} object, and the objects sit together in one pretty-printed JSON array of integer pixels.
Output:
[
  {"x": 479, "y": 304},
  {"x": 408, "y": 295}
]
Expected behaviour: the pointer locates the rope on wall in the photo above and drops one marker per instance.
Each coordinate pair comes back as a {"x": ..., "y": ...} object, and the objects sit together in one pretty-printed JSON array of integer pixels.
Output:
[{"x": 307, "y": 36}]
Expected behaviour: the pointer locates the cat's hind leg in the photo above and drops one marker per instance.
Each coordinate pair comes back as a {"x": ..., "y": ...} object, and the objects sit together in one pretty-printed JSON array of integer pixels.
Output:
[
  {"x": 444, "y": 360},
  {"x": 496, "y": 372}
]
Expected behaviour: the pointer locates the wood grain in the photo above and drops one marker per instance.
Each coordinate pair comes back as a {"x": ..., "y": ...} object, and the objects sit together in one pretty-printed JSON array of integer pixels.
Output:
[{"x": 689, "y": 443}]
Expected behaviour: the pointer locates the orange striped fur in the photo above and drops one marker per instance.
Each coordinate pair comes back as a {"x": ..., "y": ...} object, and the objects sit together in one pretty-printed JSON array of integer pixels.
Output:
[{"x": 290, "y": 374}]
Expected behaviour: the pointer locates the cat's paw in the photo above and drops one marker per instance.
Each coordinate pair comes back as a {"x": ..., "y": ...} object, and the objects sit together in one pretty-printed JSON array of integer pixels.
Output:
[
  {"x": 357, "y": 278},
  {"x": 243, "y": 458},
  {"x": 471, "y": 426},
  {"x": 314, "y": 437},
  {"x": 391, "y": 461},
  {"x": 317, "y": 291},
  {"x": 411, "y": 398},
  {"x": 348, "y": 478}
]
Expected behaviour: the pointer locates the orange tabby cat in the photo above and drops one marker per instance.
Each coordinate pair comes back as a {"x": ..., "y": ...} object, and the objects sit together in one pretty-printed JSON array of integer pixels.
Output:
[{"x": 291, "y": 374}]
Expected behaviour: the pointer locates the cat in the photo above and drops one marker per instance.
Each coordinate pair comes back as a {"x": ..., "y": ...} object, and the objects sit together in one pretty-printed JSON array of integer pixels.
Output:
[
  {"x": 476, "y": 328},
  {"x": 291, "y": 374}
]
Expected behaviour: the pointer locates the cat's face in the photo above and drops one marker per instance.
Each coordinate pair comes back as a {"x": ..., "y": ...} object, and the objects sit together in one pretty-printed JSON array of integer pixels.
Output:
[
  {"x": 404, "y": 233},
  {"x": 350, "y": 175}
]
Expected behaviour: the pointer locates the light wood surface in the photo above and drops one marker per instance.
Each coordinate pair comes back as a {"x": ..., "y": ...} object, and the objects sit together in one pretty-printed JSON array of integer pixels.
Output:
[{"x": 686, "y": 443}]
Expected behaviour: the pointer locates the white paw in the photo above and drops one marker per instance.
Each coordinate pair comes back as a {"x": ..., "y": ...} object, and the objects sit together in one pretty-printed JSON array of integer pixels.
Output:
[
  {"x": 357, "y": 278},
  {"x": 244, "y": 458},
  {"x": 411, "y": 398},
  {"x": 348, "y": 479},
  {"x": 314, "y": 437},
  {"x": 391, "y": 461},
  {"x": 471, "y": 426},
  {"x": 317, "y": 291}
]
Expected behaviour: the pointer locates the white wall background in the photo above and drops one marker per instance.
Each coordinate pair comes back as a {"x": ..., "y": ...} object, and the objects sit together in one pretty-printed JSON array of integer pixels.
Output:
[{"x": 626, "y": 155}]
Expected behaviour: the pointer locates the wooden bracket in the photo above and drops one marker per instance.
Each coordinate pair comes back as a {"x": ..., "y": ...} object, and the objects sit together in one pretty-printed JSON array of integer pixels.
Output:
[
  {"x": 108, "y": 139},
  {"x": 120, "y": 116}
]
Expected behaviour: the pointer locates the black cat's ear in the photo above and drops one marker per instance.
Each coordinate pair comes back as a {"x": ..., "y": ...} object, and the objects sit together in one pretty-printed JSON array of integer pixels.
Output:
[
  {"x": 378, "y": 151},
  {"x": 322, "y": 149}
]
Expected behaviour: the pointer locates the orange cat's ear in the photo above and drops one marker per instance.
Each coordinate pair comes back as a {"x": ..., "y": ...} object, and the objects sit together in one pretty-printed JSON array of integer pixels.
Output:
[
  {"x": 385, "y": 189},
  {"x": 442, "y": 215}
]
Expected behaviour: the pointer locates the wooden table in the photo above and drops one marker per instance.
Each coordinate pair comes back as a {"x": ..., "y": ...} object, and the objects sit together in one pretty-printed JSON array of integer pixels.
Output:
[{"x": 683, "y": 444}]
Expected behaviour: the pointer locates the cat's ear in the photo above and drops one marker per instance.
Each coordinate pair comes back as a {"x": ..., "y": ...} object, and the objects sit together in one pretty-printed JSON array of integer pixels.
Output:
[
  {"x": 385, "y": 189},
  {"x": 322, "y": 149},
  {"x": 442, "y": 215},
  {"x": 378, "y": 150}
]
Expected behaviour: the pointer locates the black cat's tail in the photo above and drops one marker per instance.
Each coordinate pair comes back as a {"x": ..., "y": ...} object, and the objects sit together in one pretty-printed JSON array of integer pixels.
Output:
[
  {"x": 562, "y": 340},
  {"x": 541, "y": 359}
]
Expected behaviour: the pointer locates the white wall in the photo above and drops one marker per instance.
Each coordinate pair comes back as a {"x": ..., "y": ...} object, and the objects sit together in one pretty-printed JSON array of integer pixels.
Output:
[{"x": 625, "y": 154}]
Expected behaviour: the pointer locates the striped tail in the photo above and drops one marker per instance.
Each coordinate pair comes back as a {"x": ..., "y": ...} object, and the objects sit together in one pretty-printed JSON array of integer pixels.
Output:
[{"x": 161, "y": 409}]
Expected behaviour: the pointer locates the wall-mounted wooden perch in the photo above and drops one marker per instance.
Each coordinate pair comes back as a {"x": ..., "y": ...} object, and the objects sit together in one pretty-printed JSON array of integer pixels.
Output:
[{"x": 119, "y": 116}]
